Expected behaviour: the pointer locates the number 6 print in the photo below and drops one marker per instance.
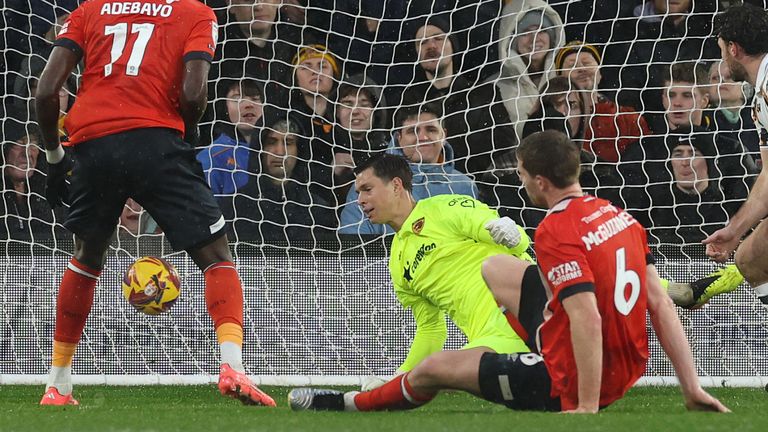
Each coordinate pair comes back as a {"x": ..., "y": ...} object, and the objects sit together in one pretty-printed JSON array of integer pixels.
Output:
[{"x": 624, "y": 277}]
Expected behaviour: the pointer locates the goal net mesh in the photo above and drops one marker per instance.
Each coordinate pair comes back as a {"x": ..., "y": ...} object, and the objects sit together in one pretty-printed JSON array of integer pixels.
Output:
[{"x": 319, "y": 304}]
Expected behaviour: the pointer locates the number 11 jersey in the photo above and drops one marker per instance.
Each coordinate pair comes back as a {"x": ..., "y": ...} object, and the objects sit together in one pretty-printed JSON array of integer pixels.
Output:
[
  {"x": 584, "y": 244},
  {"x": 134, "y": 54}
]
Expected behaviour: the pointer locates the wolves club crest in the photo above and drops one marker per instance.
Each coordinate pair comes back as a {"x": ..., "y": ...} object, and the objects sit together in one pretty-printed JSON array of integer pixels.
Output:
[{"x": 418, "y": 226}]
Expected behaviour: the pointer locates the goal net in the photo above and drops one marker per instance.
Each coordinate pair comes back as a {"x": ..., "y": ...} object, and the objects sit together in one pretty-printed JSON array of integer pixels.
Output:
[{"x": 319, "y": 304}]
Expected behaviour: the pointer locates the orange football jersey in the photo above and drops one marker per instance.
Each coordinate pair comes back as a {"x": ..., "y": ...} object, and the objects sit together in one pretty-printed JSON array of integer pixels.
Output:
[{"x": 134, "y": 54}]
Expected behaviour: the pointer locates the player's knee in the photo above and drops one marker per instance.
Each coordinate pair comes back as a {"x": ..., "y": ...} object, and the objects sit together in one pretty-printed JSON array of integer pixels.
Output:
[
  {"x": 91, "y": 254},
  {"x": 211, "y": 253},
  {"x": 745, "y": 262},
  {"x": 429, "y": 372}
]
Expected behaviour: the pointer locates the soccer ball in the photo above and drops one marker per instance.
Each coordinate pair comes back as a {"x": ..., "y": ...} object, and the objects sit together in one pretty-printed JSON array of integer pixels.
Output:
[{"x": 151, "y": 285}]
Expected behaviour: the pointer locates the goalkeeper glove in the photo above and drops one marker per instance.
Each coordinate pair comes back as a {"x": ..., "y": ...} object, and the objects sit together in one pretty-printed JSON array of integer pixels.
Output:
[
  {"x": 56, "y": 188},
  {"x": 504, "y": 232}
]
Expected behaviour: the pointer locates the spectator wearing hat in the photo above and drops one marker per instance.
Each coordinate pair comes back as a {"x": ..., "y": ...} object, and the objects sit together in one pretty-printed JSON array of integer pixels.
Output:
[
  {"x": 692, "y": 204},
  {"x": 25, "y": 214},
  {"x": 238, "y": 120},
  {"x": 316, "y": 74},
  {"x": 530, "y": 33},
  {"x": 685, "y": 100},
  {"x": 610, "y": 128},
  {"x": 476, "y": 122}
]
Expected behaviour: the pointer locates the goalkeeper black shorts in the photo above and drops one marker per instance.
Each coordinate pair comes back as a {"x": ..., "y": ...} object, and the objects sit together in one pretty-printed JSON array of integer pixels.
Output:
[
  {"x": 159, "y": 171},
  {"x": 519, "y": 381}
]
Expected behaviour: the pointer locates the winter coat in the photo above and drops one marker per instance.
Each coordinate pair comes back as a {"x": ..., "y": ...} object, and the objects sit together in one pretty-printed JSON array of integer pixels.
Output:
[
  {"x": 517, "y": 90},
  {"x": 225, "y": 164}
]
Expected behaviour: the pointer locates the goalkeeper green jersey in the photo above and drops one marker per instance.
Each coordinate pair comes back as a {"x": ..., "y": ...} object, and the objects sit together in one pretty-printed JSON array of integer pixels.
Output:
[{"x": 435, "y": 264}]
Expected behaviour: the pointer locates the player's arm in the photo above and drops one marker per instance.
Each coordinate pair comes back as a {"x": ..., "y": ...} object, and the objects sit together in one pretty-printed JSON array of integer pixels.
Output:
[
  {"x": 57, "y": 70},
  {"x": 725, "y": 240},
  {"x": 194, "y": 93},
  {"x": 479, "y": 222},
  {"x": 63, "y": 59},
  {"x": 431, "y": 333},
  {"x": 672, "y": 338},
  {"x": 580, "y": 304}
]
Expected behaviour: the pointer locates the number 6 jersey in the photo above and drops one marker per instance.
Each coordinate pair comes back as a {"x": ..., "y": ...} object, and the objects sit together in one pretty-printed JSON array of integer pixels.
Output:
[
  {"x": 134, "y": 54},
  {"x": 584, "y": 244}
]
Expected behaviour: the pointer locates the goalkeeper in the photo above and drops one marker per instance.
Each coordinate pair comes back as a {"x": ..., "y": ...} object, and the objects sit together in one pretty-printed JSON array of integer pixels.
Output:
[{"x": 437, "y": 260}]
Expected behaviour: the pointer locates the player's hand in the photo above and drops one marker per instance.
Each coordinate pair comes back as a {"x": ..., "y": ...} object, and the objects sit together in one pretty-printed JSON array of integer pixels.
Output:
[
  {"x": 504, "y": 232},
  {"x": 721, "y": 244},
  {"x": 700, "y": 400},
  {"x": 371, "y": 382},
  {"x": 56, "y": 188}
]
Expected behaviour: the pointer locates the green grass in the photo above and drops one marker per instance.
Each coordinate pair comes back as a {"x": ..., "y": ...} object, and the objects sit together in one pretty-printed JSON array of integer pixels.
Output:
[{"x": 200, "y": 408}]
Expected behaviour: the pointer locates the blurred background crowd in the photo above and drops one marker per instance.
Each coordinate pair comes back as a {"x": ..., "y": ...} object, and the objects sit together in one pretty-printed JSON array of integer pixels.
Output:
[{"x": 301, "y": 91}]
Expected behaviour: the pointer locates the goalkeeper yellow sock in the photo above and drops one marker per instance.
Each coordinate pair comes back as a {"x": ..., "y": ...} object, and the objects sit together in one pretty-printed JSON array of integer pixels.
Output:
[{"x": 230, "y": 337}]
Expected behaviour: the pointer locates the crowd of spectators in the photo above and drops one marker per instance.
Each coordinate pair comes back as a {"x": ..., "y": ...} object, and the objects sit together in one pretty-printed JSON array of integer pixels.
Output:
[{"x": 303, "y": 90}]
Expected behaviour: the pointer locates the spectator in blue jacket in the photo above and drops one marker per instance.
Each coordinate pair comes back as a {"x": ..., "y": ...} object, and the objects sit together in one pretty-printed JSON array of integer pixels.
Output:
[
  {"x": 420, "y": 137},
  {"x": 239, "y": 119}
]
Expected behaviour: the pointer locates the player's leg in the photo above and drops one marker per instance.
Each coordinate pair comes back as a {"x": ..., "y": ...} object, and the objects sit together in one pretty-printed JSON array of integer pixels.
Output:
[
  {"x": 752, "y": 260},
  {"x": 443, "y": 370},
  {"x": 520, "y": 381},
  {"x": 181, "y": 202},
  {"x": 73, "y": 305},
  {"x": 96, "y": 202},
  {"x": 517, "y": 287},
  {"x": 504, "y": 276},
  {"x": 224, "y": 300}
]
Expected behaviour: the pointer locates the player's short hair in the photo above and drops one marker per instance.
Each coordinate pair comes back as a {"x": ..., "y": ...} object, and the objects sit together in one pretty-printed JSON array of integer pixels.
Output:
[
  {"x": 413, "y": 111},
  {"x": 551, "y": 154},
  {"x": 746, "y": 25},
  {"x": 690, "y": 72},
  {"x": 388, "y": 166}
]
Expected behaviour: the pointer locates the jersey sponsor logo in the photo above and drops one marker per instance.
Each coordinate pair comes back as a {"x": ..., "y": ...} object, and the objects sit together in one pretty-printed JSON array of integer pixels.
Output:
[
  {"x": 565, "y": 272},
  {"x": 418, "y": 226},
  {"x": 136, "y": 8},
  {"x": 423, "y": 251},
  {"x": 607, "y": 230},
  {"x": 599, "y": 212}
]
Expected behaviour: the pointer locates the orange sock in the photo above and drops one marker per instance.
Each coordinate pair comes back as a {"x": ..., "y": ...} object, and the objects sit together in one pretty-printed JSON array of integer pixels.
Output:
[
  {"x": 63, "y": 353},
  {"x": 224, "y": 295},
  {"x": 396, "y": 394},
  {"x": 230, "y": 332},
  {"x": 514, "y": 323},
  {"x": 74, "y": 301}
]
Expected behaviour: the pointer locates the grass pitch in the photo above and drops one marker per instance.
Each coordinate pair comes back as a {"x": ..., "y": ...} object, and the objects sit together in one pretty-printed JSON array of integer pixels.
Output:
[{"x": 201, "y": 408}]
